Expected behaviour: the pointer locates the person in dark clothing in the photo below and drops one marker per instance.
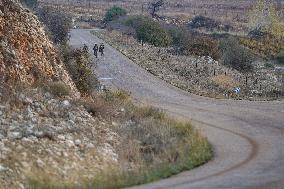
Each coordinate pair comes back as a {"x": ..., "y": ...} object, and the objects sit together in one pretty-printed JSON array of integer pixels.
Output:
[
  {"x": 85, "y": 48},
  {"x": 101, "y": 49},
  {"x": 96, "y": 48}
]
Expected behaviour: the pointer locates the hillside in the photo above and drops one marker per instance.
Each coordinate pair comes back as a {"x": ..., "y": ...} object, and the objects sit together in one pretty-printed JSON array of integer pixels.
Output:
[{"x": 26, "y": 54}]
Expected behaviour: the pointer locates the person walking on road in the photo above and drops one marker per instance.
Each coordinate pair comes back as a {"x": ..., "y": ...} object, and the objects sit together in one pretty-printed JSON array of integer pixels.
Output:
[
  {"x": 101, "y": 49},
  {"x": 85, "y": 48},
  {"x": 96, "y": 48}
]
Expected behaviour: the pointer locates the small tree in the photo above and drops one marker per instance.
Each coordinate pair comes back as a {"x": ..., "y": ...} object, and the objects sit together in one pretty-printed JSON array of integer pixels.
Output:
[
  {"x": 236, "y": 56},
  {"x": 154, "y": 7},
  {"x": 114, "y": 13}
]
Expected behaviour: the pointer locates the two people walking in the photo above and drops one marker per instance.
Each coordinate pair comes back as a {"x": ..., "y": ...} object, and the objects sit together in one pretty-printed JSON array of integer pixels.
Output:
[{"x": 97, "y": 49}]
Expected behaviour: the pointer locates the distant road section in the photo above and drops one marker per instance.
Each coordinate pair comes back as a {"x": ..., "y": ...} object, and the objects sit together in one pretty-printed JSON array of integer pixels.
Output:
[{"x": 248, "y": 137}]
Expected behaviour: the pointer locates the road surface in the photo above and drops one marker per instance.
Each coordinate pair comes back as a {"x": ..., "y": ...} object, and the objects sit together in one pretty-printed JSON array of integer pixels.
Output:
[{"x": 248, "y": 137}]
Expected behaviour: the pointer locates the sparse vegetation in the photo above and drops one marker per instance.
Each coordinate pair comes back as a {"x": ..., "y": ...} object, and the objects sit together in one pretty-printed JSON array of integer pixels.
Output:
[{"x": 114, "y": 13}]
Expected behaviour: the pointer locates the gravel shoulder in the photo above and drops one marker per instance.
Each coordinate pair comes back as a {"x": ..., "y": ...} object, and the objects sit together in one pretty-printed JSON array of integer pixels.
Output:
[{"x": 247, "y": 136}]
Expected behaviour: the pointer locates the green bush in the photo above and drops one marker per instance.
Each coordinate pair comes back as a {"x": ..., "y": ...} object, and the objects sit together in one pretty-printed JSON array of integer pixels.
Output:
[
  {"x": 236, "y": 56},
  {"x": 280, "y": 58},
  {"x": 150, "y": 31},
  {"x": 58, "y": 24},
  {"x": 114, "y": 13},
  {"x": 29, "y": 3}
]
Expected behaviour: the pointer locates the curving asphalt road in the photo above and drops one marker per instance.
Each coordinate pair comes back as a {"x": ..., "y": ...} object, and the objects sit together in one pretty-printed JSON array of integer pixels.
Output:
[{"x": 248, "y": 137}]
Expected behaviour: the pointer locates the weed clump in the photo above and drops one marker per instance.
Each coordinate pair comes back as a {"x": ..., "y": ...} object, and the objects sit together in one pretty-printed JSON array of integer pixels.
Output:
[{"x": 58, "y": 89}]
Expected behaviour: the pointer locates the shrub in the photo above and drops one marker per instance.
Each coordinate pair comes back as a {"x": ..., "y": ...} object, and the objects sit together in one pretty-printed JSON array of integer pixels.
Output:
[
  {"x": 203, "y": 22},
  {"x": 257, "y": 34},
  {"x": 280, "y": 58},
  {"x": 59, "y": 89},
  {"x": 208, "y": 23},
  {"x": 177, "y": 35},
  {"x": 269, "y": 65},
  {"x": 149, "y": 31},
  {"x": 114, "y": 13},
  {"x": 236, "y": 56},
  {"x": 58, "y": 24},
  {"x": 78, "y": 65},
  {"x": 200, "y": 45},
  {"x": 29, "y": 3}
]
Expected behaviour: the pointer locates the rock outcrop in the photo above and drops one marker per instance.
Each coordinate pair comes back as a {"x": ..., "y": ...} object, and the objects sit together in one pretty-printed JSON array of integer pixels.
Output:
[{"x": 26, "y": 53}]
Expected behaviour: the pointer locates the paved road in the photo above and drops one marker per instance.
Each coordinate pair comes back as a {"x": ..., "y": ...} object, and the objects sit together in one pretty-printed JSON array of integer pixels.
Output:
[{"x": 248, "y": 137}]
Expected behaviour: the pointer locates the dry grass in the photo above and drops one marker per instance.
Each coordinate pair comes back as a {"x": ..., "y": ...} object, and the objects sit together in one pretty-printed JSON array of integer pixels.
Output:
[{"x": 225, "y": 81}]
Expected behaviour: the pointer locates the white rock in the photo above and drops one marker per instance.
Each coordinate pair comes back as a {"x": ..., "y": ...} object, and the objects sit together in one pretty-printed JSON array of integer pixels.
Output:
[
  {"x": 66, "y": 104},
  {"x": 78, "y": 142},
  {"x": 70, "y": 143},
  {"x": 40, "y": 163},
  {"x": 61, "y": 137},
  {"x": 37, "y": 133},
  {"x": 3, "y": 168},
  {"x": 14, "y": 135}
]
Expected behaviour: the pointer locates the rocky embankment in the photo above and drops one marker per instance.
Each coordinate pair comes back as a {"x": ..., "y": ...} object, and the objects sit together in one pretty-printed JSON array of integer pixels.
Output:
[
  {"x": 43, "y": 136},
  {"x": 26, "y": 53}
]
